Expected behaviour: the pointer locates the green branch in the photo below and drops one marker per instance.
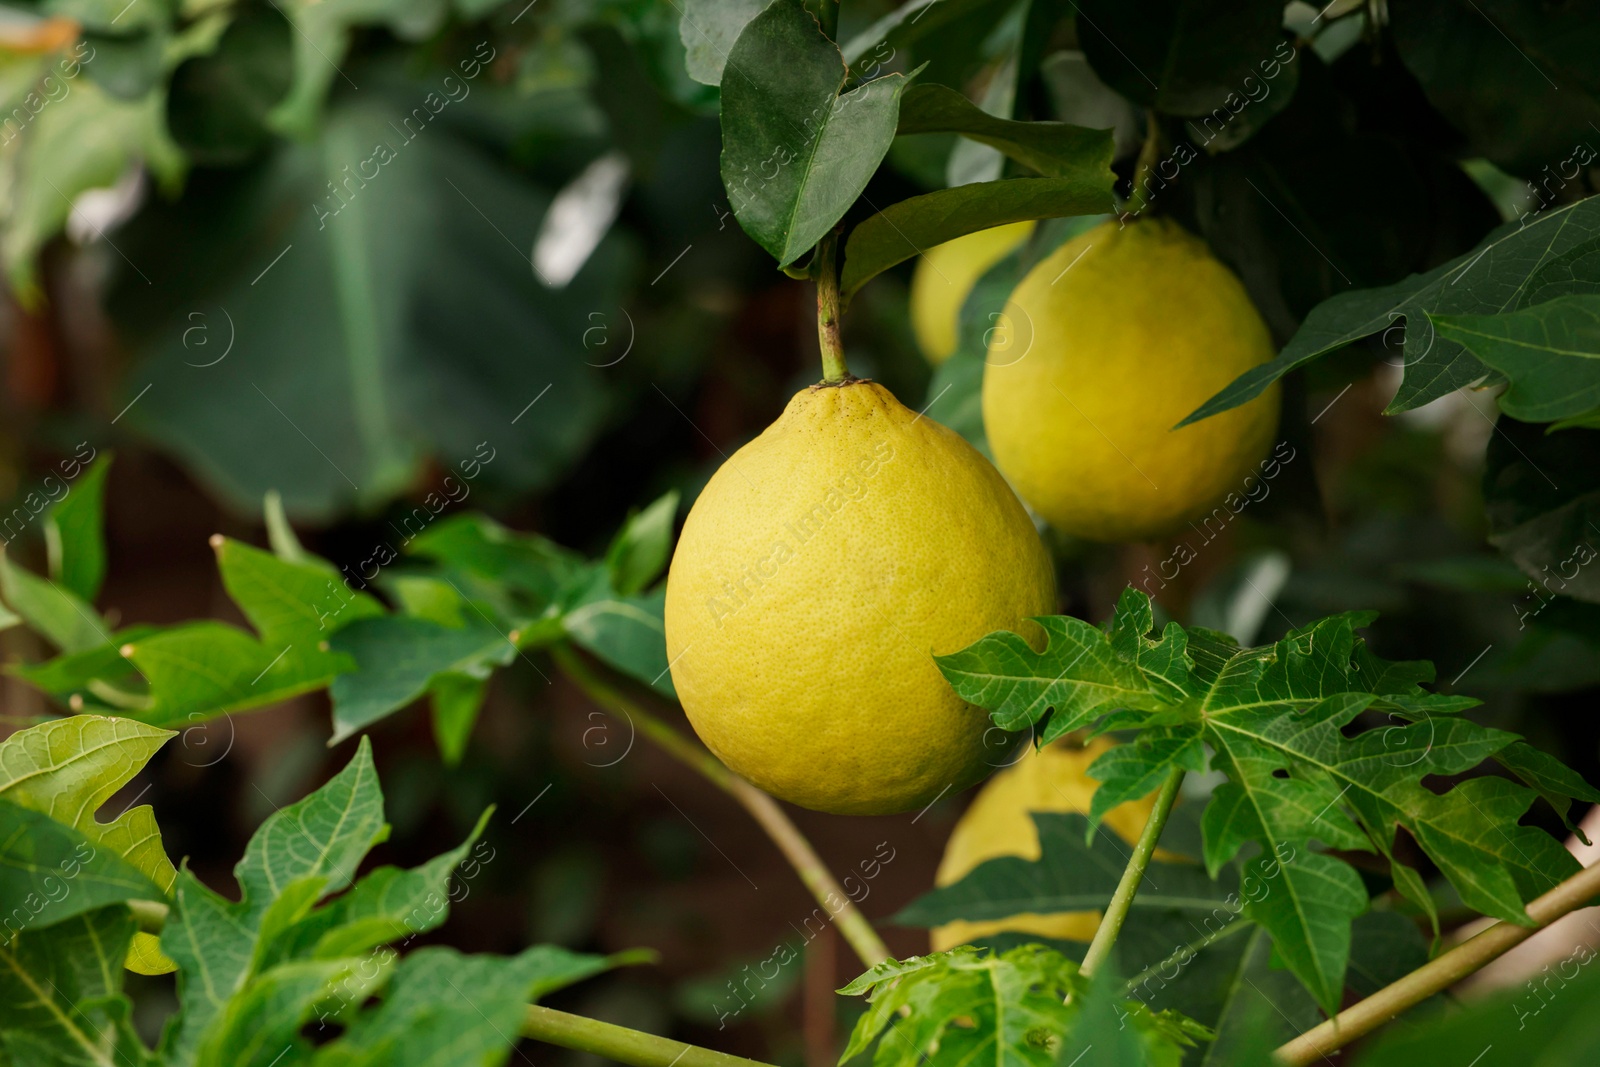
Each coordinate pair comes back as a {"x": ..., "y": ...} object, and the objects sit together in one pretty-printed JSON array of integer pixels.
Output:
[
  {"x": 1105, "y": 934},
  {"x": 620, "y": 1043},
  {"x": 829, "y": 340},
  {"x": 853, "y": 926},
  {"x": 1439, "y": 974}
]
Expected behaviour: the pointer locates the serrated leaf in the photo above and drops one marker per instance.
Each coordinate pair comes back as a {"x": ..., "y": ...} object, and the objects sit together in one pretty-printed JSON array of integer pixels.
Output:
[
  {"x": 1549, "y": 353},
  {"x": 908, "y": 228},
  {"x": 642, "y": 547},
  {"x": 1011, "y": 1009},
  {"x": 62, "y": 991},
  {"x": 75, "y": 536},
  {"x": 1515, "y": 266},
  {"x": 397, "y": 657},
  {"x": 1280, "y": 721},
  {"x": 785, "y": 110},
  {"x": 67, "y": 769}
]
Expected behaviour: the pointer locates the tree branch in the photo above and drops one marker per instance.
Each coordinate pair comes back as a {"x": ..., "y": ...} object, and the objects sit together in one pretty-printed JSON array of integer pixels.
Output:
[
  {"x": 1440, "y": 973},
  {"x": 790, "y": 841}
]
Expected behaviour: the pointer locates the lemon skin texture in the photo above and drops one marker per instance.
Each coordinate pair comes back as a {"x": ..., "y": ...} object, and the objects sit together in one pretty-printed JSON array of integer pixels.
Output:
[
  {"x": 943, "y": 277},
  {"x": 818, "y": 573},
  {"x": 997, "y": 823},
  {"x": 1116, "y": 337}
]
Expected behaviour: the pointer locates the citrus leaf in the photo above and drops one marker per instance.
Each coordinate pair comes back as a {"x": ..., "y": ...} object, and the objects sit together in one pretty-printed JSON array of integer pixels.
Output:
[
  {"x": 912, "y": 226},
  {"x": 1514, "y": 267},
  {"x": 1550, "y": 353},
  {"x": 62, "y": 991},
  {"x": 1054, "y": 149},
  {"x": 75, "y": 535},
  {"x": 708, "y": 29},
  {"x": 784, "y": 110},
  {"x": 626, "y": 632}
]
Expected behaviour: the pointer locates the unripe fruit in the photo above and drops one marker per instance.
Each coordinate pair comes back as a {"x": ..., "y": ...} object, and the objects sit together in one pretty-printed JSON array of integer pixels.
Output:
[{"x": 945, "y": 275}]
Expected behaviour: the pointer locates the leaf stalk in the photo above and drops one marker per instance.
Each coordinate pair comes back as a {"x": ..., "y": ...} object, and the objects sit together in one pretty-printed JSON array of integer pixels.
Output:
[
  {"x": 853, "y": 926},
  {"x": 1105, "y": 934},
  {"x": 620, "y": 1043}
]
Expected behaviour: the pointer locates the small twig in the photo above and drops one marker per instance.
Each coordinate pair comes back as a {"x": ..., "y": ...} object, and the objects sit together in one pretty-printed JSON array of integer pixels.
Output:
[
  {"x": 790, "y": 841},
  {"x": 1440, "y": 973},
  {"x": 620, "y": 1043},
  {"x": 1105, "y": 934}
]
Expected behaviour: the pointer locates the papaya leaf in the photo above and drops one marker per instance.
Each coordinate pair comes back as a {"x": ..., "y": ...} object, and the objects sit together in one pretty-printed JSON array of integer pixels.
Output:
[
  {"x": 75, "y": 536},
  {"x": 1549, "y": 352},
  {"x": 62, "y": 990},
  {"x": 1518, "y": 265},
  {"x": 50, "y": 872},
  {"x": 1011, "y": 1009},
  {"x": 797, "y": 148},
  {"x": 67, "y": 769},
  {"x": 1281, "y": 724}
]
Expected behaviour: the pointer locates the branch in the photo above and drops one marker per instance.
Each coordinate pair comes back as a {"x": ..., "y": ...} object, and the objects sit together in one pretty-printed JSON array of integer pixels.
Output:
[
  {"x": 1105, "y": 935},
  {"x": 790, "y": 841},
  {"x": 1440, "y": 973},
  {"x": 620, "y": 1043}
]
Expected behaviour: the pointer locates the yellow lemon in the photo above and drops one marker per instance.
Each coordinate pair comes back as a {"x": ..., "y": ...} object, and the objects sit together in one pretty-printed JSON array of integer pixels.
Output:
[
  {"x": 1111, "y": 340},
  {"x": 945, "y": 274},
  {"x": 1054, "y": 778},
  {"x": 818, "y": 573}
]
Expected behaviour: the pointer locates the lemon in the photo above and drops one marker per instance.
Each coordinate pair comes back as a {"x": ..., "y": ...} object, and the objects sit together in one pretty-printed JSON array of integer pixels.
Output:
[
  {"x": 997, "y": 823},
  {"x": 818, "y": 573},
  {"x": 945, "y": 275},
  {"x": 1112, "y": 340}
]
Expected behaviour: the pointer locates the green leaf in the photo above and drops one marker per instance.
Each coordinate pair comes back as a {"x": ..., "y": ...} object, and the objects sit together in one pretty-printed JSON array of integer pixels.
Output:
[
  {"x": 709, "y": 29},
  {"x": 280, "y": 534},
  {"x": 220, "y": 101},
  {"x": 1542, "y": 499},
  {"x": 62, "y": 991},
  {"x": 295, "y": 605},
  {"x": 1071, "y": 874},
  {"x": 74, "y": 531},
  {"x": 626, "y": 632},
  {"x": 1280, "y": 722},
  {"x": 642, "y": 547},
  {"x": 906, "y": 229},
  {"x": 527, "y": 563},
  {"x": 92, "y": 678},
  {"x": 198, "y": 671},
  {"x": 67, "y": 769},
  {"x": 1516, "y": 266},
  {"x": 1549, "y": 353},
  {"x": 443, "y": 1008},
  {"x": 50, "y": 872},
  {"x": 1011, "y": 1009},
  {"x": 1054, "y": 149},
  {"x": 56, "y": 613},
  {"x": 398, "y": 657},
  {"x": 457, "y": 699},
  {"x": 784, "y": 110}
]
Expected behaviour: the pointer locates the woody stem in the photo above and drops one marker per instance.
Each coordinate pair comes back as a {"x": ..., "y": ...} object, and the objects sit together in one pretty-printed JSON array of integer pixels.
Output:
[
  {"x": 790, "y": 841},
  {"x": 827, "y": 273}
]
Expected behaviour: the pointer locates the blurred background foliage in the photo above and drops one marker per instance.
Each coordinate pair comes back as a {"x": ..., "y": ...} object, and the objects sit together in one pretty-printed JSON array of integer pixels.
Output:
[{"x": 336, "y": 249}]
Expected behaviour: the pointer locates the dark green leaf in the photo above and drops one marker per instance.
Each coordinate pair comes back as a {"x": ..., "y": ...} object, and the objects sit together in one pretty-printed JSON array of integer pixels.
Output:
[
  {"x": 1183, "y": 57},
  {"x": 912, "y": 226},
  {"x": 397, "y": 657},
  {"x": 1054, "y": 149},
  {"x": 642, "y": 547},
  {"x": 1514, "y": 267},
  {"x": 75, "y": 535},
  {"x": 217, "y": 104},
  {"x": 1549, "y": 353},
  {"x": 796, "y": 148},
  {"x": 709, "y": 29}
]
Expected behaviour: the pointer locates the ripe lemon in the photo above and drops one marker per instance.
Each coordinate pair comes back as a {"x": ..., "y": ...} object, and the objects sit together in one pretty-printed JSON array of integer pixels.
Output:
[
  {"x": 1113, "y": 339},
  {"x": 818, "y": 573},
  {"x": 1054, "y": 778},
  {"x": 945, "y": 274}
]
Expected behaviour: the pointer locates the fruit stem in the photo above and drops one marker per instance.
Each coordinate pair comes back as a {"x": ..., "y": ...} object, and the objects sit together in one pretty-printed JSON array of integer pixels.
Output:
[
  {"x": 620, "y": 1043},
  {"x": 1139, "y": 195},
  {"x": 790, "y": 841},
  {"x": 827, "y": 272},
  {"x": 1440, "y": 973},
  {"x": 1117, "y": 911}
]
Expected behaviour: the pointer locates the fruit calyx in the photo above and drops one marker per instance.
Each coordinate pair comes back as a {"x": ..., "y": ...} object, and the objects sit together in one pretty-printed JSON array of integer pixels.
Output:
[{"x": 848, "y": 379}]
